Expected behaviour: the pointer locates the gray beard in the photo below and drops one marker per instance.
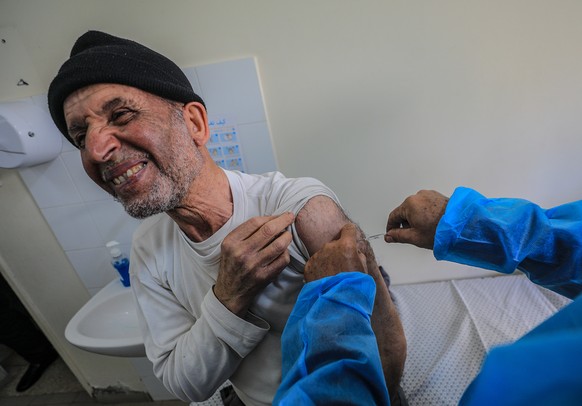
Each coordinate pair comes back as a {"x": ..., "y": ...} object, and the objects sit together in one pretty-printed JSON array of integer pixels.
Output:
[
  {"x": 156, "y": 202},
  {"x": 165, "y": 195}
]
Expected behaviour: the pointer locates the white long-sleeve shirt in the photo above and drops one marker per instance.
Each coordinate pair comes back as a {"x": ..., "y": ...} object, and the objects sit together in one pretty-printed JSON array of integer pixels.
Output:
[{"x": 194, "y": 342}]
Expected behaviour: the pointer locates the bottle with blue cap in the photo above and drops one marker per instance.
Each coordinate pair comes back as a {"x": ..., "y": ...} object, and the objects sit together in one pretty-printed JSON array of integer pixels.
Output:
[{"x": 119, "y": 261}]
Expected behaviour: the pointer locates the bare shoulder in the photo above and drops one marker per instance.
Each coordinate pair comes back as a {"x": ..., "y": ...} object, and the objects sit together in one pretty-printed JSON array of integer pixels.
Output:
[{"x": 319, "y": 222}]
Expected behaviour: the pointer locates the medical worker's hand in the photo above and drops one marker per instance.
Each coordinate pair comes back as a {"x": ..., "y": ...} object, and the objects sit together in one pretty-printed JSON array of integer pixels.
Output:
[
  {"x": 252, "y": 256},
  {"x": 341, "y": 255},
  {"x": 416, "y": 219}
]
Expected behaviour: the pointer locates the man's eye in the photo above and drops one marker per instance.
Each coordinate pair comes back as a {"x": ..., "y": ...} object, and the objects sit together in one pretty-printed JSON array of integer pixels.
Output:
[
  {"x": 79, "y": 140},
  {"x": 121, "y": 116}
]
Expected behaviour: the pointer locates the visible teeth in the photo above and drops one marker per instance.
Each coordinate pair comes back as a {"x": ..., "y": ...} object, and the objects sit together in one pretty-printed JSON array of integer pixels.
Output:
[{"x": 130, "y": 172}]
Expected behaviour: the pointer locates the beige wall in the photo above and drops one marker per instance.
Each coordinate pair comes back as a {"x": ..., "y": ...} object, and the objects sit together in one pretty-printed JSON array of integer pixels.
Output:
[{"x": 376, "y": 98}]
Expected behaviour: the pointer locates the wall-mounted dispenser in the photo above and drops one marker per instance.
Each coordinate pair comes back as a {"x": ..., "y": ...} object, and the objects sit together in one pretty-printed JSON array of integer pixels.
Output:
[{"x": 27, "y": 135}]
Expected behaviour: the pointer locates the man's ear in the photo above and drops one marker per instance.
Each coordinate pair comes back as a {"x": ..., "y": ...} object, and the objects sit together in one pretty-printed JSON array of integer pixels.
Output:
[{"x": 197, "y": 122}]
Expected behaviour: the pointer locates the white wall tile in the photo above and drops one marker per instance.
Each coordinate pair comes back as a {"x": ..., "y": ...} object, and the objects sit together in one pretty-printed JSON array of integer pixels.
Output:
[
  {"x": 42, "y": 102},
  {"x": 88, "y": 190},
  {"x": 73, "y": 226},
  {"x": 67, "y": 146},
  {"x": 257, "y": 148},
  {"x": 112, "y": 222},
  {"x": 193, "y": 78},
  {"x": 50, "y": 184},
  {"x": 93, "y": 267},
  {"x": 94, "y": 291},
  {"x": 233, "y": 88}
]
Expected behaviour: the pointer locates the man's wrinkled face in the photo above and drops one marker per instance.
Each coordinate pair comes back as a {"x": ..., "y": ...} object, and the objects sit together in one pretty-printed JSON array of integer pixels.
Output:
[{"x": 134, "y": 145}]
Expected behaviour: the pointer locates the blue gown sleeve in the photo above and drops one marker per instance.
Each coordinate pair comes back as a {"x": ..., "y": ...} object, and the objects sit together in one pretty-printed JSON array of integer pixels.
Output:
[
  {"x": 544, "y": 367},
  {"x": 330, "y": 354},
  {"x": 508, "y": 234}
]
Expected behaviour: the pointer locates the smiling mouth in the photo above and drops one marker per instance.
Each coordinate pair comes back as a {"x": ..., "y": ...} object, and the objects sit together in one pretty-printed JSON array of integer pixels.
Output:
[{"x": 121, "y": 179}]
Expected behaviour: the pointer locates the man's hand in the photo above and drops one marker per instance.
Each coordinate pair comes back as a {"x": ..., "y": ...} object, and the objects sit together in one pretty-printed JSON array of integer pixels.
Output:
[
  {"x": 341, "y": 255},
  {"x": 416, "y": 219},
  {"x": 253, "y": 255}
]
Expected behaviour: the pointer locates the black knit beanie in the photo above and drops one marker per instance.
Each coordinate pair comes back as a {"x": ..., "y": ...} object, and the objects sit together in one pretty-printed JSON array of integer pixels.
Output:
[{"x": 98, "y": 57}]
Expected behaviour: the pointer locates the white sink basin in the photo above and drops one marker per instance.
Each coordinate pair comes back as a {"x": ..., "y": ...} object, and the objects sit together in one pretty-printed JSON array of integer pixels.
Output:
[{"x": 107, "y": 324}]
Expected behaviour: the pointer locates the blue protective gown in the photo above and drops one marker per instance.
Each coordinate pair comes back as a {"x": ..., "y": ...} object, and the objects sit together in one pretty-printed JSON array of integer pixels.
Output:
[
  {"x": 509, "y": 234},
  {"x": 330, "y": 354},
  {"x": 545, "y": 366},
  {"x": 325, "y": 362}
]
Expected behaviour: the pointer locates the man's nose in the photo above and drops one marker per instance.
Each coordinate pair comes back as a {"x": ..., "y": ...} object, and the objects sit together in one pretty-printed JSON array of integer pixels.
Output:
[{"x": 101, "y": 142}]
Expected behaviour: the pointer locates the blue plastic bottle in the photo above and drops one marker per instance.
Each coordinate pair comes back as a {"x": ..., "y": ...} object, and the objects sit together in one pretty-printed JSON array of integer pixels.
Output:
[{"x": 119, "y": 261}]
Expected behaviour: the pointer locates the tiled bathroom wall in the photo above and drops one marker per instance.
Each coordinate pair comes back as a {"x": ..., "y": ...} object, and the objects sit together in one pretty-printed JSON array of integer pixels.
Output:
[{"x": 84, "y": 218}]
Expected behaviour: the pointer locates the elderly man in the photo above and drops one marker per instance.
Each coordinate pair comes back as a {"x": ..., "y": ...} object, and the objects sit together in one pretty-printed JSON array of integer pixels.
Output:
[{"x": 218, "y": 263}]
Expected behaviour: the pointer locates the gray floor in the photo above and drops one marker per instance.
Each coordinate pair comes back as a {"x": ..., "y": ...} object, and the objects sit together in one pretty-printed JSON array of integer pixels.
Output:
[{"x": 57, "y": 387}]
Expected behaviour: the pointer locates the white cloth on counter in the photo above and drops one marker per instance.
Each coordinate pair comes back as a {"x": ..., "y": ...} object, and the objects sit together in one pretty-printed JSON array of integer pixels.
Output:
[{"x": 450, "y": 325}]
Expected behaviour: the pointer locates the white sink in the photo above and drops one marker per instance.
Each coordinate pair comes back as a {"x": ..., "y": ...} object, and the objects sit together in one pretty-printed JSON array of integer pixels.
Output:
[{"x": 107, "y": 324}]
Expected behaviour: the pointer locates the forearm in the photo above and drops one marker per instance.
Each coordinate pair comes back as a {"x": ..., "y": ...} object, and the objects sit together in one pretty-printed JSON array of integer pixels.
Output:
[
  {"x": 390, "y": 336},
  {"x": 387, "y": 328},
  {"x": 509, "y": 234}
]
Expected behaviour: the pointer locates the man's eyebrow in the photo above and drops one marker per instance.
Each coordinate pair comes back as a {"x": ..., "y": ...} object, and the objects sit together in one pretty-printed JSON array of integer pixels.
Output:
[{"x": 112, "y": 104}]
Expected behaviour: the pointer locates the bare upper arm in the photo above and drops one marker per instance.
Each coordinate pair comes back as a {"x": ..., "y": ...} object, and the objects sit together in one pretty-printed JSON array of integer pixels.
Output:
[{"x": 319, "y": 222}]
